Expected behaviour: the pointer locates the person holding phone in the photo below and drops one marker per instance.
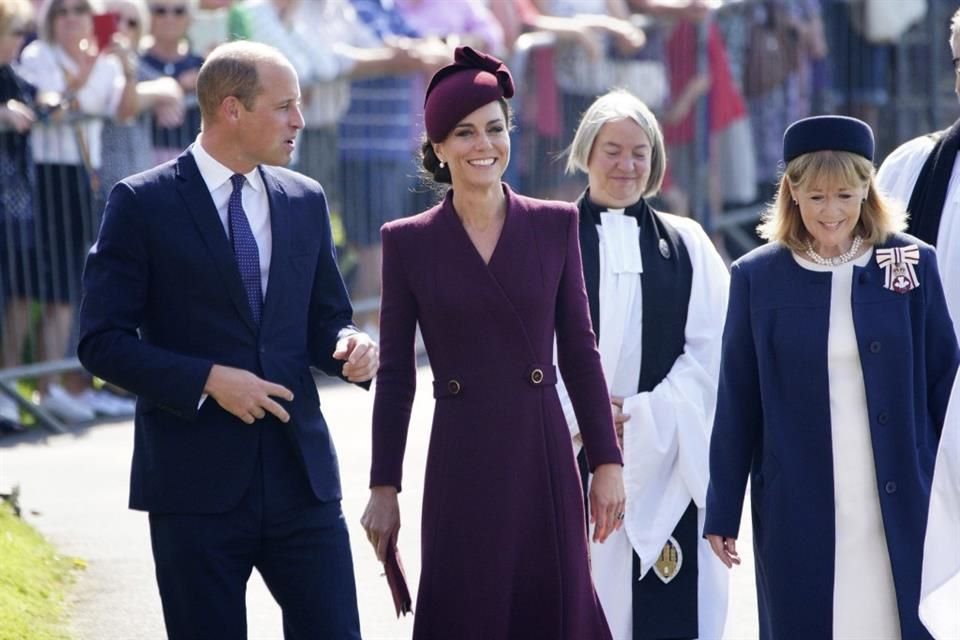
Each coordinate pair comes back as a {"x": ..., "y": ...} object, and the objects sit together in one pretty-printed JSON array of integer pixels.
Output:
[{"x": 69, "y": 71}]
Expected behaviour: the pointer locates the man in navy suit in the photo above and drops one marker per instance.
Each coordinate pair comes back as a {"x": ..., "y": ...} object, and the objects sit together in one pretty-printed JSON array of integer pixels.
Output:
[{"x": 212, "y": 289}]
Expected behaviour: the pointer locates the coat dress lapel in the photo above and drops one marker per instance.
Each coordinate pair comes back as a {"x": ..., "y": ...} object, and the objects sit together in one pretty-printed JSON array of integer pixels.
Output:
[{"x": 483, "y": 276}]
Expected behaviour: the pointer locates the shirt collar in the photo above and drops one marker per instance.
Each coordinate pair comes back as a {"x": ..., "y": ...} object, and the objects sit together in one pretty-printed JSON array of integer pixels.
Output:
[{"x": 214, "y": 173}]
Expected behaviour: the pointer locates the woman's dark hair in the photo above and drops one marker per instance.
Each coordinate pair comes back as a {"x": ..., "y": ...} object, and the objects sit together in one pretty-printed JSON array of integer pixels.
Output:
[{"x": 437, "y": 177}]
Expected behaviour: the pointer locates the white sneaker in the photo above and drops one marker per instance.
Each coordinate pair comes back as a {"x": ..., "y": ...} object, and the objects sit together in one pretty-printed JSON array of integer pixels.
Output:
[
  {"x": 9, "y": 409},
  {"x": 108, "y": 404},
  {"x": 65, "y": 406}
]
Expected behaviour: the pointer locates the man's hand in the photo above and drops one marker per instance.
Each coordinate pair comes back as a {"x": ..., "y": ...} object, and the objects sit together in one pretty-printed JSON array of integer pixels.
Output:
[
  {"x": 607, "y": 500},
  {"x": 381, "y": 519},
  {"x": 361, "y": 356},
  {"x": 245, "y": 395}
]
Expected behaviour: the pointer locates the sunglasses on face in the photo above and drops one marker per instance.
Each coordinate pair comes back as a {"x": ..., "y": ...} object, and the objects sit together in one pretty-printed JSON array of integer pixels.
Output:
[
  {"x": 77, "y": 10},
  {"x": 178, "y": 10}
]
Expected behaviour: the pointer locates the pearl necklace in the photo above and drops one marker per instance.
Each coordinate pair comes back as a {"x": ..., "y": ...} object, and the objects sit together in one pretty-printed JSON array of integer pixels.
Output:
[{"x": 846, "y": 256}]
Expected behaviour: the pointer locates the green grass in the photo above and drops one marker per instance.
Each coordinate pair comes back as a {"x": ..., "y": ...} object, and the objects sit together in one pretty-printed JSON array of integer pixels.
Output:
[{"x": 33, "y": 582}]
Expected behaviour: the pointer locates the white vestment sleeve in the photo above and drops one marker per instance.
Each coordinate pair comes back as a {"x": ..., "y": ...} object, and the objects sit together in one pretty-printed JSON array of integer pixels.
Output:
[
  {"x": 940, "y": 585},
  {"x": 898, "y": 174},
  {"x": 566, "y": 404},
  {"x": 666, "y": 439}
]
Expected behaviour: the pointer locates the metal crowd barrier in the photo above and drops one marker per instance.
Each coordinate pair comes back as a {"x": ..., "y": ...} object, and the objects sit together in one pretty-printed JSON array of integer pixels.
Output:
[{"x": 919, "y": 104}]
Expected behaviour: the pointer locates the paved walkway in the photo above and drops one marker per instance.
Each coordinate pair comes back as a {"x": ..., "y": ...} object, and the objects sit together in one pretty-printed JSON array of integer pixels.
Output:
[{"x": 74, "y": 489}]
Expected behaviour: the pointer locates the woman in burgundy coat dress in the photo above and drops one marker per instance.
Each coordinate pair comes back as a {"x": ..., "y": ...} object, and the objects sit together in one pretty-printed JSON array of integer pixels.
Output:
[{"x": 491, "y": 276}]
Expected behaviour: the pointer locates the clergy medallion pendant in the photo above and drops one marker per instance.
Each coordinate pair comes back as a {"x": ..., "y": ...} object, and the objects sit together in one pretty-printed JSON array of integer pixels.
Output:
[
  {"x": 670, "y": 561},
  {"x": 664, "y": 249}
]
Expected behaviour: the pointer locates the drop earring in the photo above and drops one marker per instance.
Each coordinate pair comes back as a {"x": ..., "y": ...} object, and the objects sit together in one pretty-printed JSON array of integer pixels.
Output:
[{"x": 442, "y": 164}]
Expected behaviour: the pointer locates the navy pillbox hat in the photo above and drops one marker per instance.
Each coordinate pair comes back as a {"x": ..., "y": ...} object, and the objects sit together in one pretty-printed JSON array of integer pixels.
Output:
[{"x": 827, "y": 133}]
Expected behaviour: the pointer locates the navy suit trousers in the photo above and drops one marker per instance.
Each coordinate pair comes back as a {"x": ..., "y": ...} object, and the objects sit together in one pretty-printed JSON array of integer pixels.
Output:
[{"x": 298, "y": 544}]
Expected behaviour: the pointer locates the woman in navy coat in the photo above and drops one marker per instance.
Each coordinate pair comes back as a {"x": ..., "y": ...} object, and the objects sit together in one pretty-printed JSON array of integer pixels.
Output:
[
  {"x": 491, "y": 276},
  {"x": 837, "y": 361}
]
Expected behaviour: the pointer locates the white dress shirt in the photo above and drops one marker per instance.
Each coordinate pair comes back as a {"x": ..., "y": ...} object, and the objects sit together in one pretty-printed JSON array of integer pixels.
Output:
[{"x": 255, "y": 203}]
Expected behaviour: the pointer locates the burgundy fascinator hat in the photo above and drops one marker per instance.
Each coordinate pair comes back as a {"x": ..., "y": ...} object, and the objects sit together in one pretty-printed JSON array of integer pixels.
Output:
[{"x": 473, "y": 80}]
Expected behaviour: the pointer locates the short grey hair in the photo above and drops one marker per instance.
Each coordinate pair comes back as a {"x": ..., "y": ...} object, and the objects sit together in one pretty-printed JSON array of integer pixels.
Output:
[{"x": 618, "y": 104}]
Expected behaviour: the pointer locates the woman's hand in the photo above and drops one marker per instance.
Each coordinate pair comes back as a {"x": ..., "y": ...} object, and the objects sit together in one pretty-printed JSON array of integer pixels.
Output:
[
  {"x": 381, "y": 519},
  {"x": 725, "y": 548},
  {"x": 17, "y": 116},
  {"x": 619, "y": 418},
  {"x": 607, "y": 500}
]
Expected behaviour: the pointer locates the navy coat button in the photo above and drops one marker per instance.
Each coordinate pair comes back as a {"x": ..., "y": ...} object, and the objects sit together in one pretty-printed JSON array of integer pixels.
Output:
[
  {"x": 875, "y": 347},
  {"x": 883, "y": 417},
  {"x": 453, "y": 387},
  {"x": 890, "y": 487}
]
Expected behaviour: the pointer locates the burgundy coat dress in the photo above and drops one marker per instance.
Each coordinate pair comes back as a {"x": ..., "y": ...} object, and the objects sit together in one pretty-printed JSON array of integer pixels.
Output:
[{"x": 504, "y": 547}]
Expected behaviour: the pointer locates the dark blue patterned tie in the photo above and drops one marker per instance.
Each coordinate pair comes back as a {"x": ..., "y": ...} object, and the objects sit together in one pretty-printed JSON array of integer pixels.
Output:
[{"x": 245, "y": 247}]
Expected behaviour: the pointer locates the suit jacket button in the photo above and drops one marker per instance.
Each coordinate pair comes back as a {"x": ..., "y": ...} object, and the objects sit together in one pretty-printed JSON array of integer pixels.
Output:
[
  {"x": 890, "y": 487},
  {"x": 536, "y": 376},
  {"x": 453, "y": 387},
  {"x": 883, "y": 417},
  {"x": 875, "y": 347}
]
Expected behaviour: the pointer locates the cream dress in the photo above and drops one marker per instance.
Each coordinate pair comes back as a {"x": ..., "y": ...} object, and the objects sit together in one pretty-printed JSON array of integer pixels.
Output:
[{"x": 864, "y": 599}]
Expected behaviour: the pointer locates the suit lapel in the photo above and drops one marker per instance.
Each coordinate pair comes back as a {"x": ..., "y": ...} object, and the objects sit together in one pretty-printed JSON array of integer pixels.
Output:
[
  {"x": 198, "y": 201},
  {"x": 280, "y": 228}
]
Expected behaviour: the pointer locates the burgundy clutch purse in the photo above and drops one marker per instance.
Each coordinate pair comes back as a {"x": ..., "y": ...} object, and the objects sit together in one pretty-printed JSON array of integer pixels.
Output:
[{"x": 397, "y": 580}]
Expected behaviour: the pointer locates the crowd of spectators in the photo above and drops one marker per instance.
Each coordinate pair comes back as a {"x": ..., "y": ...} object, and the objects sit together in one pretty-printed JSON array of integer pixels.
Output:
[{"x": 87, "y": 99}]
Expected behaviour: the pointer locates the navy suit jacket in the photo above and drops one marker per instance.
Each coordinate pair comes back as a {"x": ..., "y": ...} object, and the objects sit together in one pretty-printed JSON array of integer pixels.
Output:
[{"x": 163, "y": 302}]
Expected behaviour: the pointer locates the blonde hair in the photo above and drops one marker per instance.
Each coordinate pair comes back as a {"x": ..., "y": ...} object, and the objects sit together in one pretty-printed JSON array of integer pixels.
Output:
[
  {"x": 618, "y": 104},
  {"x": 879, "y": 218},
  {"x": 48, "y": 11},
  {"x": 14, "y": 14}
]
